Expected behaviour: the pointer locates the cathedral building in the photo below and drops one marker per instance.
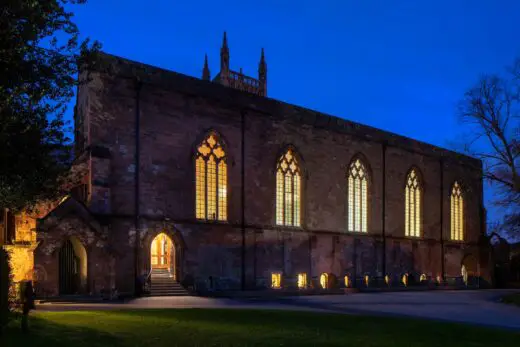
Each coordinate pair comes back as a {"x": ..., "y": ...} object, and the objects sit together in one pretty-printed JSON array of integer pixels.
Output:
[{"x": 210, "y": 184}]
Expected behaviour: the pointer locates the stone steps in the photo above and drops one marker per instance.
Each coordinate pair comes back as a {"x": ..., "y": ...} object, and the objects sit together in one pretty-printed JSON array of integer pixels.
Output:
[{"x": 163, "y": 284}]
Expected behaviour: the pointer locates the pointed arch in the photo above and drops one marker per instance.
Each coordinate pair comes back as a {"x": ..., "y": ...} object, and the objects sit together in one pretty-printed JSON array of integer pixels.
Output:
[
  {"x": 457, "y": 212},
  {"x": 288, "y": 189},
  {"x": 211, "y": 178},
  {"x": 413, "y": 203},
  {"x": 357, "y": 195}
]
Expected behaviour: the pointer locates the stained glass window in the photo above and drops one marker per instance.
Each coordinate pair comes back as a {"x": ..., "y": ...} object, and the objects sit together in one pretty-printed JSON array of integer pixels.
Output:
[
  {"x": 211, "y": 180},
  {"x": 288, "y": 190},
  {"x": 412, "y": 210},
  {"x": 457, "y": 213},
  {"x": 357, "y": 197}
]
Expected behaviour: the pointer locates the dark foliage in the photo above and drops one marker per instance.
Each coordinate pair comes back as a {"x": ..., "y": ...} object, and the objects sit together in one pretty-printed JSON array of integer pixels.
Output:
[{"x": 39, "y": 59}]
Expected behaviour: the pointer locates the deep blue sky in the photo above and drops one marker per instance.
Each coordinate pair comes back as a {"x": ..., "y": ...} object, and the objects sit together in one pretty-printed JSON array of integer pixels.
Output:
[{"x": 396, "y": 65}]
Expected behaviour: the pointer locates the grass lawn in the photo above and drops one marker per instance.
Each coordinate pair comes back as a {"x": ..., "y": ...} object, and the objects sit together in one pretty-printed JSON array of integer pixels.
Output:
[
  {"x": 204, "y": 327},
  {"x": 512, "y": 299}
]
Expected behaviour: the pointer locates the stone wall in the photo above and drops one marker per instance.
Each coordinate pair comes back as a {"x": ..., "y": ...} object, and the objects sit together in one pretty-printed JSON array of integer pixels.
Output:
[
  {"x": 100, "y": 263},
  {"x": 176, "y": 112}
]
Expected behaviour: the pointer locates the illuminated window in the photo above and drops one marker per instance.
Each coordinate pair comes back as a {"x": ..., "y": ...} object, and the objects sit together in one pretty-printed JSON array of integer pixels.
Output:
[
  {"x": 288, "y": 189},
  {"x": 367, "y": 280},
  {"x": 464, "y": 273},
  {"x": 423, "y": 278},
  {"x": 211, "y": 180},
  {"x": 276, "y": 280},
  {"x": 457, "y": 213},
  {"x": 387, "y": 280},
  {"x": 324, "y": 280},
  {"x": 404, "y": 279},
  {"x": 347, "y": 282},
  {"x": 412, "y": 211},
  {"x": 357, "y": 197},
  {"x": 302, "y": 280}
]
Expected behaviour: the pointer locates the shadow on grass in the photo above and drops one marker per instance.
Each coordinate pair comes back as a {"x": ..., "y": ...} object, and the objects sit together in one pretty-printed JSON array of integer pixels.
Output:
[
  {"x": 221, "y": 327},
  {"x": 43, "y": 332}
]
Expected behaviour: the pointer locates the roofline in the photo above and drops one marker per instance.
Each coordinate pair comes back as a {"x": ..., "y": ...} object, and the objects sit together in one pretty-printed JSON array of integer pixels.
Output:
[{"x": 123, "y": 67}]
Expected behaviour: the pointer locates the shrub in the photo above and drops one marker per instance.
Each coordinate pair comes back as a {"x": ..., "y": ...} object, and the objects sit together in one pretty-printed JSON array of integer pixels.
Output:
[{"x": 5, "y": 280}]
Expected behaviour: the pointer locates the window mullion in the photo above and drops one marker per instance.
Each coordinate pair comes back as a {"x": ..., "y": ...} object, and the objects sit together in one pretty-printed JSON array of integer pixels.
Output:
[
  {"x": 293, "y": 199},
  {"x": 283, "y": 199},
  {"x": 217, "y": 184},
  {"x": 206, "y": 189}
]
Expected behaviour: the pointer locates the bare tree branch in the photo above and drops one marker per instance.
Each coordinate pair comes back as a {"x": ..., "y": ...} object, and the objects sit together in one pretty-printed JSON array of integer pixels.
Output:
[{"x": 492, "y": 111}]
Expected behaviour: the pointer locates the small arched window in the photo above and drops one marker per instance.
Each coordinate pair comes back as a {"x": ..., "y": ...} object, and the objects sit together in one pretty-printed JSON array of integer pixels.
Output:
[
  {"x": 324, "y": 280},
  {"x": 288, "y": 190},
  {"x": 357, "y": 197},
  {"x": 412, "y": 209},
  {"x": 457, "y": 213},
  {"x": 302, "y": 280},
  {"x": 211, "y": 180}
]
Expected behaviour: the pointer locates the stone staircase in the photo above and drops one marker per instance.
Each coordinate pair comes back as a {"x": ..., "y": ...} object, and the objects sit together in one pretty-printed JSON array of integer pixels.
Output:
[{"x": 163, "y": 284}]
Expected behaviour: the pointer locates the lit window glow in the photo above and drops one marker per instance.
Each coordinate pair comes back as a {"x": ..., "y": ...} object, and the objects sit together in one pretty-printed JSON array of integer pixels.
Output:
[
  {"x": 412, "y": 209},
  {"x": 357, "y": 197},
  {"x": 288, "y": 190},
  {"x": 302, "y": 280},
  {"x": 211, "y": 180},
  {"x": 324, "y": 280},
  {"x": 457, "y": 213},
  {"x": 347, "y": 282},
  {"x": 276, "y": 280},
  {"x": 404, "y": 279}
]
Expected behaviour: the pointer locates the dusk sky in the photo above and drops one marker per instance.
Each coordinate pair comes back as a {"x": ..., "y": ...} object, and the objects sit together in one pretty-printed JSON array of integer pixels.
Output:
[{"x": 400, "y": 66}]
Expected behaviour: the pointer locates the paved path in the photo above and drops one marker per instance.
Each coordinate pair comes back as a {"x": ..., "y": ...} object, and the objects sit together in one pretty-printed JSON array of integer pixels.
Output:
[{"x": 475, "y": 307}]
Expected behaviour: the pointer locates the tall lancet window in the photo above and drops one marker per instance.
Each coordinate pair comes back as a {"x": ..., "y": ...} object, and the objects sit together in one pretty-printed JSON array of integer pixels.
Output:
[
  {"x": 357, "y": 197},
  {"x": 457, "y": 213},
  {"x": 412, "y": 210},
  {"x": 211, "y": 180},
  {"x": 288, "y": 190}
]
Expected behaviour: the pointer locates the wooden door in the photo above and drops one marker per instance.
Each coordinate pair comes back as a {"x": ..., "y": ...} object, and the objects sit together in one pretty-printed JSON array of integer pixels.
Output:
[{"x": 160, "y": 252}]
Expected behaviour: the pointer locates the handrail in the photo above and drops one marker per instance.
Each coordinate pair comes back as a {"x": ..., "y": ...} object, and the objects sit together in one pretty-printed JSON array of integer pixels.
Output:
[{"x": 148, "y": 279}]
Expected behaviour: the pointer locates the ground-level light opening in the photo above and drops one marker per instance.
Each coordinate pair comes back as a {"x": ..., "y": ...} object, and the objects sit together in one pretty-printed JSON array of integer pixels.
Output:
[
  {"x": 346, "y": 281},
  {"x": 276, "y": 280},
  {"x": 324, "y": 280},
  {"x": 302, "y": 280}
]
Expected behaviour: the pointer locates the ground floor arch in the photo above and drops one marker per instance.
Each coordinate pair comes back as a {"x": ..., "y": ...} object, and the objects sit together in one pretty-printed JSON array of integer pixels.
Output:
[
  {"x": 163, "y": 254},
  {"x": 72, "y": 267}
]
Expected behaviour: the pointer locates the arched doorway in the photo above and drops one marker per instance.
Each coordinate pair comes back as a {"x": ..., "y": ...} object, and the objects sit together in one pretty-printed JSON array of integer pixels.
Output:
[
  {"x": 162, "y": 255},
  {"x": 72, "y": 267}
]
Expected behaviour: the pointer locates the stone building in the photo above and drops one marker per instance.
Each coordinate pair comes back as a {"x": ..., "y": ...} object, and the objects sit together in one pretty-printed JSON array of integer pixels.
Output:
[{"x": 211, "y": 181}]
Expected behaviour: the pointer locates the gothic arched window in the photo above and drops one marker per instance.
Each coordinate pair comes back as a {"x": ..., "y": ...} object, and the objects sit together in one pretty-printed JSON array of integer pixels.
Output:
[
  {"x": 412, "y": 210},
  {"x": 288, "y": 187},
  {"x": 357, "y": 197},
  {"x": 211, "y": 180},
  {"x": 457, "y": 213}
]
